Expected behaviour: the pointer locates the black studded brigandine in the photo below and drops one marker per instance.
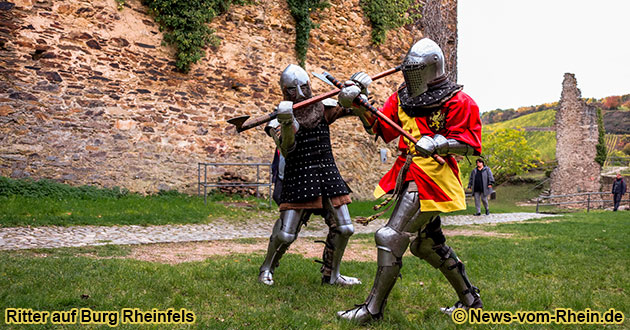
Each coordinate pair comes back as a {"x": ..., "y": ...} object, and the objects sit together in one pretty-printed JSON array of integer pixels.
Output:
[{"x": 310, "y": 169}]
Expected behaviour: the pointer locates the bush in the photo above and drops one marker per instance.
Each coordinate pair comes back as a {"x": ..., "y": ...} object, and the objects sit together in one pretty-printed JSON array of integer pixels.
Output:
[
  {"x": 508, "y": 153},
  {"x": 600, "y": 157},
  {"x": 185, "y": 25},
  {"x": 49, "y": 188},
  {"x": 301, "y": 10},
  {"x": 389, "y": 14}
]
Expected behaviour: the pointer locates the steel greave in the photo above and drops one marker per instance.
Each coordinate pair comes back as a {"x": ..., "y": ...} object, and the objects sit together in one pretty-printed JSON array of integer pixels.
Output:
[
  {"x": 284, "y": 232},
  {"x": 338, "y": 237}
]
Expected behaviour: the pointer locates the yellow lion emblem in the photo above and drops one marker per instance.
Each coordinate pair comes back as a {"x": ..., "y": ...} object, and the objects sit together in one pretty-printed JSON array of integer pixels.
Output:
[{"x": 437, "y": 121}]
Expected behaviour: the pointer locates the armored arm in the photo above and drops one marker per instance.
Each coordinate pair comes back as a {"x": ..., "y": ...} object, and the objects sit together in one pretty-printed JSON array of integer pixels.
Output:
[
  {"x": 357, "y": 87},
  {"x": 273, "y": 130},
  {"x": 288, "y": 127},
  {"x": 446, "y": 146}
]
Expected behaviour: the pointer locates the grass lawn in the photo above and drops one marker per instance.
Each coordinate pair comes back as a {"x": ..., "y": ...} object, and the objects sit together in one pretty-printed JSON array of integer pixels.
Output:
[
  {"x": 45, "y": 205},
  {"x": 126, "y": 210},
  {"x": 578, "y": 261},
  {"x": 546, "y": 118},
  {"x": 507, "y": 198}
]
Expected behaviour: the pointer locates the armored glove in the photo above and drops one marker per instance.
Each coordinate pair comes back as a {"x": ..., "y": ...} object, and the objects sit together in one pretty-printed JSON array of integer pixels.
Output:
[
  {"x": 363, "y": 80},
  {"x": 357, "y": 84},
  {"x": 348, "y": 93},
  {"x": 441, "y": 144},
  {"x": 272, "y": 127},
  {"x": 446, "y": 146},
  {"x": 426, "y": 146},
  {"x": 285, "y": 113}
]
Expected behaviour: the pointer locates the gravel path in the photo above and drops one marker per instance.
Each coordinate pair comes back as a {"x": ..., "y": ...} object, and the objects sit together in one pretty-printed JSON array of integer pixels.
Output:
[{"x": 53, "y": 236}]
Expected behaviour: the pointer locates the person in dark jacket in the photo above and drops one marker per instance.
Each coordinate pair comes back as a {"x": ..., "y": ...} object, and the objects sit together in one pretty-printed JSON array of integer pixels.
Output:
[
  {"x": 618, "y": 190},
  {"x": 481, "y": 182}
]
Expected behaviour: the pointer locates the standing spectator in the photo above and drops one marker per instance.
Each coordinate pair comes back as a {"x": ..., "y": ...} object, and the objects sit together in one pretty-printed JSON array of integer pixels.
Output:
[
  {"x": 618, "y": 189},
  {"x": 481, "y": 181}
]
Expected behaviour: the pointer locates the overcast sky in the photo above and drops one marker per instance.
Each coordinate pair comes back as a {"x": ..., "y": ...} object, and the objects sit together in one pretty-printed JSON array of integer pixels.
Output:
[{"x": 515, "y": 53}]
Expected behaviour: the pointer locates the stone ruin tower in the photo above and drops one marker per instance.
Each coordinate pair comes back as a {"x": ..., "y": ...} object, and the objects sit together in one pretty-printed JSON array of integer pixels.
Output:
[{"x": 576, "y": 136}]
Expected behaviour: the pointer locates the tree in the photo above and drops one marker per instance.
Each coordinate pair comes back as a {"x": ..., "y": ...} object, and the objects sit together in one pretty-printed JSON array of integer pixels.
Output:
[
  {"x": 612, "y": 102},
  {"x": 508, "y": 154},
  {"x": 600, "y": 157}
]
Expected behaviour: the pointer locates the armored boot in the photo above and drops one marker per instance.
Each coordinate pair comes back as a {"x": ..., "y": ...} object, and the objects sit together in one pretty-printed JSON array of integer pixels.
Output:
[
  {"x": 454, "y": 270},
  {"x": 392, "y": 242},
  {"x": 391, "y": 246},
  {"x": 284, "y": 232},
  {"x": 340, "y": 230},
  {"x": 329, "y": 258},
  {"x": 429, "y": 245}
]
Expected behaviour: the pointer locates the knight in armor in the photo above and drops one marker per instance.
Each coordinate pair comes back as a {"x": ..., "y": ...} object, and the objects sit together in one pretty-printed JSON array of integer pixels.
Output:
[
  {"x": 307, "y": 178},
  {"x": 446, "y": 122}
]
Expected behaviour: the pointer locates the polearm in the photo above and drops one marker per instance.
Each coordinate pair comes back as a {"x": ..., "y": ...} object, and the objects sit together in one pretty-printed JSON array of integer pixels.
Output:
[
  {"x": 364, "y": 103},
  {"x": 244, "y": 123}
]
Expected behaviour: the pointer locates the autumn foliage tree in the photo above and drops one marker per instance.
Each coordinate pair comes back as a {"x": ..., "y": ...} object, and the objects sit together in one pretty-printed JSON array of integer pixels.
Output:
[
  {"x": 507, "y": 153},
  {"x": 612, "y": 102}
]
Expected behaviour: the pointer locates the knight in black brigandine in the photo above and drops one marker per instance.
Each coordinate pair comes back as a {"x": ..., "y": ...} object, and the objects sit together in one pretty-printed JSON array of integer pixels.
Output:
[{"x": 311, "y": 182}]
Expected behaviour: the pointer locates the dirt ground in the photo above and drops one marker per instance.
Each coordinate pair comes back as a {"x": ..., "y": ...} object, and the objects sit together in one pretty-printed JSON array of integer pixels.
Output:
[{"x": 362, "y": 249}]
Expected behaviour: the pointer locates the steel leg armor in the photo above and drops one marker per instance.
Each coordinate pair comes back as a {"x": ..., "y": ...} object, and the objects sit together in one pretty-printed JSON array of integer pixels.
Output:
[
  {"x": 284, "y": 232},
  {"x": 340, "y": 229},
  {"x": 392, "y": 242},
  {"x": 430, "y": 246}
]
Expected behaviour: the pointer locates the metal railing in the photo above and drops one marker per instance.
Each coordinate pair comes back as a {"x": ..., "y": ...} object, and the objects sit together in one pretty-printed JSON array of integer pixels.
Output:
[
  {"x": 205, "y": 184},
  {"x": 589, "y": 200}
]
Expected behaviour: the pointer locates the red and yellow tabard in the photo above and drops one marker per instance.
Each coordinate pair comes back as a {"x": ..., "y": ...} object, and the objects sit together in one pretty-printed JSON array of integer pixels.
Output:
[{"x": 439, "y": 186}]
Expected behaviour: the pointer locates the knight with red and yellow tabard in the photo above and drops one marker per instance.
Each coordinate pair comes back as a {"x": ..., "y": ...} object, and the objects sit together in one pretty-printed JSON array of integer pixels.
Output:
[{"x": 445, "y": 121}]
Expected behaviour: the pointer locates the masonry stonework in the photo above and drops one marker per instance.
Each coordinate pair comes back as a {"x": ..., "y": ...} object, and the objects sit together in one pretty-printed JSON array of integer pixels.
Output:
[
  {"x": 576, "y": 135},
  {"x": 88, "y": 95}
]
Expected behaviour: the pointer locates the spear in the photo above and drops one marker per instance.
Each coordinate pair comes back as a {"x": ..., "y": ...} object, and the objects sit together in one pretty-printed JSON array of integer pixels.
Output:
[
  {"x": 364, "y": 103},
  {"x": 244, "y": 123}
]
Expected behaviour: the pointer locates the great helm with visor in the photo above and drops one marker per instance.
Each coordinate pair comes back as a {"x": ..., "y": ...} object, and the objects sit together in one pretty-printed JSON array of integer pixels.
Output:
[{"x": 423, "y": 64}]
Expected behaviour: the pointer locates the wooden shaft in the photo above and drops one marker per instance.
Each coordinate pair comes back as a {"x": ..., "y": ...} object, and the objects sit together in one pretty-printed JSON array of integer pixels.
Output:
[
  {"x": 364, "y": 103},
  {"x": 253, "y": 122}
]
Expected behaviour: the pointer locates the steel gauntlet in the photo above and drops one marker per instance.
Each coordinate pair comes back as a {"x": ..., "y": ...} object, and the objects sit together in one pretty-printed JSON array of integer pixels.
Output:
[
  {"x": 446, "y": 146},
  {"x": 289, "y": 126}
]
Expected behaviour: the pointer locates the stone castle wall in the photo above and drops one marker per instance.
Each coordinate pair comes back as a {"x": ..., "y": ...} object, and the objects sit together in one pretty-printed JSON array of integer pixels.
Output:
[
  {"x": 576, "y": 135},
  {"x": 88, "y": 95}
]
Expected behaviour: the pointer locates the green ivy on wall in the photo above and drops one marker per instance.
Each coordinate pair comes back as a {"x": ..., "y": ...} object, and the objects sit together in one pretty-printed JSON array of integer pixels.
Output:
[
  {"x": 301, "y": 10},
  {"x": 389, "y": 14},
  {"x": 185, "y": 25}
]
